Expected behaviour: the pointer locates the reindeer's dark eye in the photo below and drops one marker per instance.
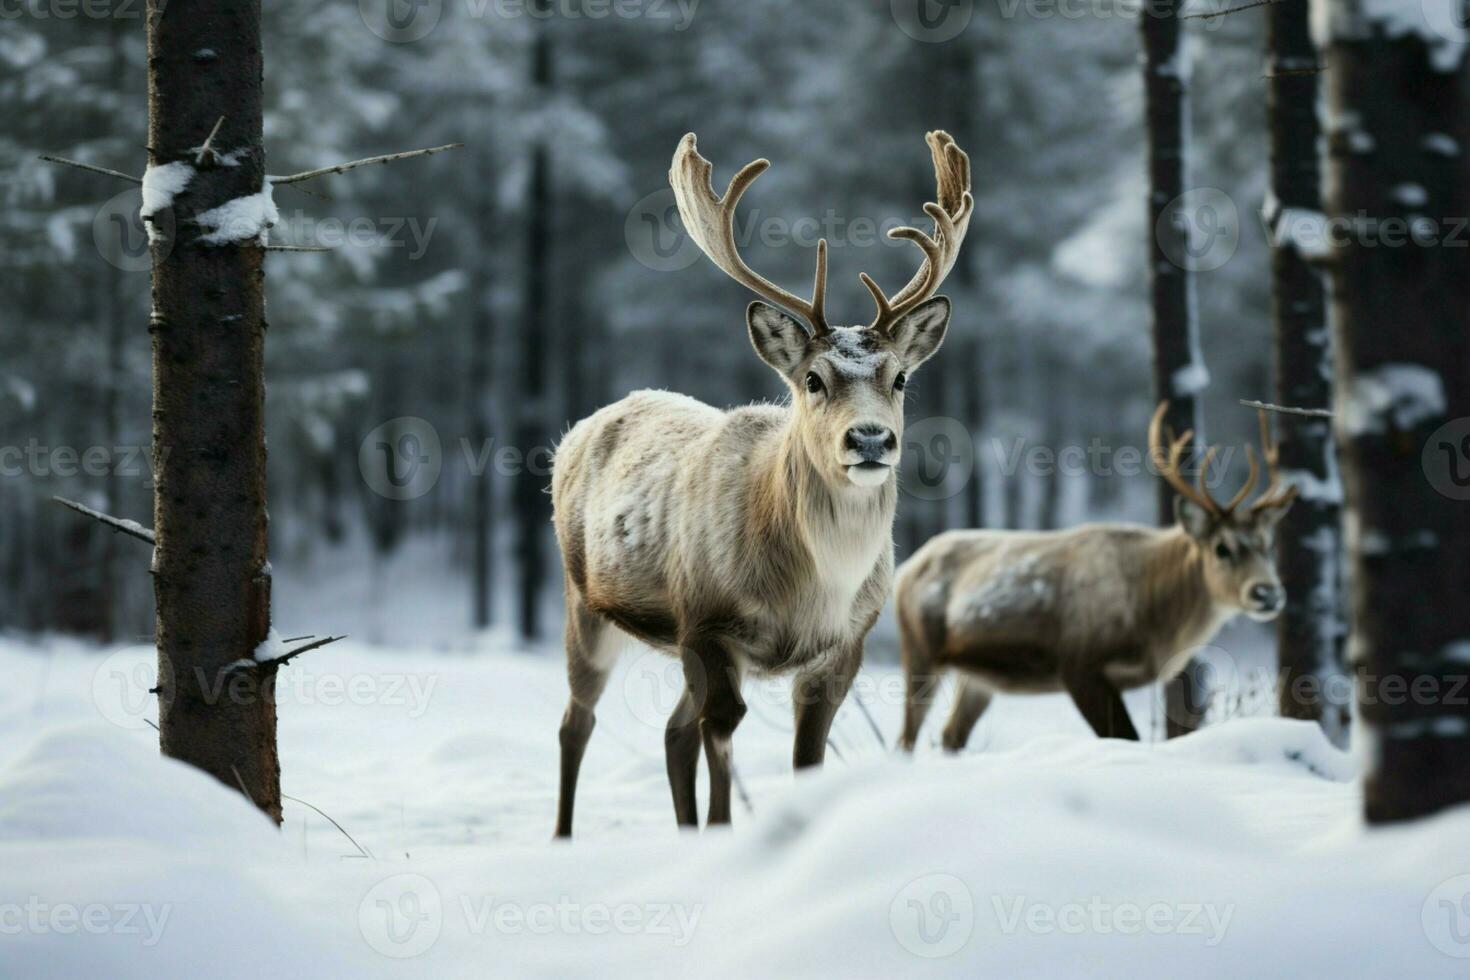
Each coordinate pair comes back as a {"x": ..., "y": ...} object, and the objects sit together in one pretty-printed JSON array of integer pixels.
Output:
[
  {"x": 1222, "y": 552},
  {"x": 814, "y": 383},
  {"x": 899, "y": 381}
]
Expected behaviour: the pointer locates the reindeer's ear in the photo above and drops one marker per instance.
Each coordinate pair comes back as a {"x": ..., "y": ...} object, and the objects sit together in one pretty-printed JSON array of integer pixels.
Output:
[
  {"x": 1268, "y": 517},
  {"x": 778, "y": 338},
  {"x": 918, "y": 335},
  {"x": 1195, "y": 520}
]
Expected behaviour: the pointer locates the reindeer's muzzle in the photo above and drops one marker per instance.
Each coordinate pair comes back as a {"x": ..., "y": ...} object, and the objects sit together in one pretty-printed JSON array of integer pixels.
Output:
[
  {"x": 1265, "y": 600},
  {"x": 872, "y": 443},
  {"x": 870, "y": 452}
]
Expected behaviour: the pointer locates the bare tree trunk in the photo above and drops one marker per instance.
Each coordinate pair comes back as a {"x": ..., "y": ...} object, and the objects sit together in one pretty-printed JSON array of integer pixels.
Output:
[
  {"x": 1310, "y": 632},
  {"x": 114, "y": 307},
  {"x": 531, "y": 509},
  {"x": 211, "y": 579},
  {"x": 482, "y": 484},
  {"x": 974, "y": 362},
  {"x": 1177, "y": 363},
  {"x": 1399, "y": 119}
]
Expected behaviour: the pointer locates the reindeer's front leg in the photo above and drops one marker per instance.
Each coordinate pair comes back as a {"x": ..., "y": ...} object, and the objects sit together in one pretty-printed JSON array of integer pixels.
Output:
[
  {"x": 713, "y": 681},
  {"x": 1099, "y": 701},
  {"x": 817, "y": 698}
]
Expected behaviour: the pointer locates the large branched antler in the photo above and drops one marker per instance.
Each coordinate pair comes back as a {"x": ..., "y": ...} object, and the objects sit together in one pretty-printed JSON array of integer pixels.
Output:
[
  {"x": 1274, "y": 495},
  {"x": 1168, "y": 460},
  {"x": 951, "y": 213},
  {"x": 710, "y": 221}
]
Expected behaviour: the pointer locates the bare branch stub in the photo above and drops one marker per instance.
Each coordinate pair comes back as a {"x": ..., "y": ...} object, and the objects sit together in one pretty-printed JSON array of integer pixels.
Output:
[
  {"x": 1316, "y": 413},
  {"x": 1230, "y": 10},
  {"x": 286, "y": 658},
  {"x": 90, "y": 168},
  {"x": 205, "y": 155},
  {"x": 342, "y": 168},
  {"x": 130, "y": 528}
]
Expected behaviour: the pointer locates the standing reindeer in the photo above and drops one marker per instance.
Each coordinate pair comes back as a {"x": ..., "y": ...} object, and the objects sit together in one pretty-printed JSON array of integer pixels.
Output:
[
  {"x": 759, "y": 538},
  {"x": 1092, "y": 610}
]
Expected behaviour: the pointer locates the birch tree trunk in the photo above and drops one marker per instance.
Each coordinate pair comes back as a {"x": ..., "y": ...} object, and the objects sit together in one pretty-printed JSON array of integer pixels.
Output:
[
  {"x": 1177, "y": 367},
  {"x": 1310, "y": 632},
  {"x": 211, "y": 578},
  {"x": 1398, "y": 193}
]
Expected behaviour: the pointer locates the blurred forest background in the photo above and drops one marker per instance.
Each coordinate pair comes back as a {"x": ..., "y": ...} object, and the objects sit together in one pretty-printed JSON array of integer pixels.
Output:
[{"x": 504, "y": 290}]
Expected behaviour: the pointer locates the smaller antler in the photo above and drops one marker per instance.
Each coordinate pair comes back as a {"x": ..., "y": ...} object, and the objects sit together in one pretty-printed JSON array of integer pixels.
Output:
[
  {"x": 710, "y": 221},
  {"x": 951, "y": 213},
  {"x": 1273, "y": 495},
  {"x": 1168, "y": 465},
  {"x": 1167, "y": 462}
]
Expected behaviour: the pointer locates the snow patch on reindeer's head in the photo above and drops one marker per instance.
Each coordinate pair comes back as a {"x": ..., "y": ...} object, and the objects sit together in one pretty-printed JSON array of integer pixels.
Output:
[{"x": 848, "y": 386}]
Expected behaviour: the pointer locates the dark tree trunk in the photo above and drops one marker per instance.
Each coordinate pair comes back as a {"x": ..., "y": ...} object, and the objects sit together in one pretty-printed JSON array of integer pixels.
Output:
[
  {"x": 1400, "y": 126},
  {"x": 1310, "y": 632},
  {"x": 482, "y": 484},
  {"x": 974, "y": 363},
  {"x": 530, "y": 501},
  {"x": 211, "y": 579},
  {"x": 1171, "y": 302},
  {"x": 114, "y": 307}
]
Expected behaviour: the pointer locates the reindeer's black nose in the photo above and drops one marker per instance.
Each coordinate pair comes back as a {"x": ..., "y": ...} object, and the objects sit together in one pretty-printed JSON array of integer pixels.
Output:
[
  {"x": 871, "y": 442},
  {"x": 1268, "y": 597}
]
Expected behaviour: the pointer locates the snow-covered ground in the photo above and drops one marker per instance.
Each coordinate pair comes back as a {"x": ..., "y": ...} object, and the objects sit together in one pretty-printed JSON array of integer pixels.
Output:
[{"x": 1044, "y": 852}]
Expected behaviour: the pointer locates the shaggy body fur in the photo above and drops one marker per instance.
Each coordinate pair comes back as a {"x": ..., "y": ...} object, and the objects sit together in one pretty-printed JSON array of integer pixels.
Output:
[
  {"x": 1094, "y": 610},
  {"x": 786, "y": 571},
  {"x": 714, "y": 537}
]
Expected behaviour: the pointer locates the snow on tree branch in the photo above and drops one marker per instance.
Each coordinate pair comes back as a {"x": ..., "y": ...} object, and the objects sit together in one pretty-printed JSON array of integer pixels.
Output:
[{"x": 131, "y": 528}]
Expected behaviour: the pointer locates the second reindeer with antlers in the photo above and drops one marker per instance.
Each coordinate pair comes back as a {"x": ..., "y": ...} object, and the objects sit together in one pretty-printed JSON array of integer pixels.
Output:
[
  {"x": 1092, "y": 611},
  {"x": 756, "y": 539}
]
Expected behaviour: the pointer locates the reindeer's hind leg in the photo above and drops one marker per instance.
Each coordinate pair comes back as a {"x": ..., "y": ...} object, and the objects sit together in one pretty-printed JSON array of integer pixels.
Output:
[
  {"x": 589, "y": 661},
  {"x": 970, "y": 703},
  {"x": 681, "y": 755},
  {"x": 921, "y": 678},
  {"x": 1099, "y": 701},
  {"x": 712, "y": 679}
]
